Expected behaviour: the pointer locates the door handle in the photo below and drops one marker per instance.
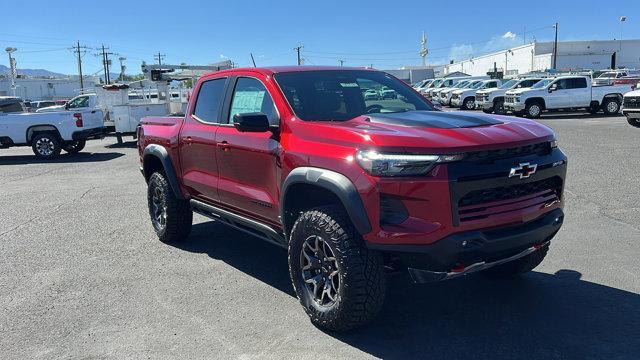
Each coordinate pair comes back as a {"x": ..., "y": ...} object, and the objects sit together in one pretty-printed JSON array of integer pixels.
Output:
[
  {"x": 224, "y": 145},
  {"x": 188, "y": 140}
]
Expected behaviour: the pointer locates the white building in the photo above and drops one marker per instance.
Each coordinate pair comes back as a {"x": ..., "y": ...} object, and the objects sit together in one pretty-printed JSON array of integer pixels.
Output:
[
  {"x": 34, "y": 89},
  {"x": 589, "y": 55}
]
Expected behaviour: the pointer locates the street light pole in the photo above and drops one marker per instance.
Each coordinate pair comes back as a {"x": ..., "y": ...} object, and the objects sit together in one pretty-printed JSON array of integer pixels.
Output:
[
  {"x": 13, "y": 68},
  {"x": 555, "y": 47},
  {"x": 622, "y": 21}
]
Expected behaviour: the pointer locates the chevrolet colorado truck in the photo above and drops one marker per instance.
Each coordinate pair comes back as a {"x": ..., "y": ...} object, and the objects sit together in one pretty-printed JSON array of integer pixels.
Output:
[
  {"x": 492, "y": 100},
  {"x": 49, "y": 133},
  {"x": 631, "y": 107},
  {"x": 566, "y": 93},
  {"x": 354, "y": 187}
]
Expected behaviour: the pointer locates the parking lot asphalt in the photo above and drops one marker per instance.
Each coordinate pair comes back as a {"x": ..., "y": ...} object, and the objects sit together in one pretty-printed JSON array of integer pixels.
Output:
[{"x": 82, "y": 274}]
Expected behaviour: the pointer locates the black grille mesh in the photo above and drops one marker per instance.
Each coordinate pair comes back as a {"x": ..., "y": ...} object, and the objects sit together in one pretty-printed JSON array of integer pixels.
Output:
[
  {"x": 511, "y": 192},
  {"x": 489, "y": 156}
]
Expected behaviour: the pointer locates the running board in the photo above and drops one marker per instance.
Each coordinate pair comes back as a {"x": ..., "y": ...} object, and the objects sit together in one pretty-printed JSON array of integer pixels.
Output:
[
  {"x": 420, "y": 276},
  {"x": 239, "y": 222}
]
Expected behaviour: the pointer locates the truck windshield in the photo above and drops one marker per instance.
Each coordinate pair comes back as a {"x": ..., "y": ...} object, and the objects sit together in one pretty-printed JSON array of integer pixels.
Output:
[
  {"x": 477, "y": 85},
  {"x": 540, "y": 84},
  {"x": 340, "y": 95},
  {"x": 509, "y": 84}
]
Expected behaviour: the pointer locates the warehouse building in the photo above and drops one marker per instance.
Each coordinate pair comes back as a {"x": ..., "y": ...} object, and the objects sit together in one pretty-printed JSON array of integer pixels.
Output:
[
  {"x": 587, "y": 55},
  {"x": 34, "y": 89}
]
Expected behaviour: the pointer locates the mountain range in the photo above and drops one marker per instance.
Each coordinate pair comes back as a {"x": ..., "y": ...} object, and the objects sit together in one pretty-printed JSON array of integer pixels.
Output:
[{"x": 4, "y": 70}]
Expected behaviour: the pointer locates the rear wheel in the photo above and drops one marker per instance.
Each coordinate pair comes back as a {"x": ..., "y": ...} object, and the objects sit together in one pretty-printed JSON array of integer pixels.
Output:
[
  {"x": 611, "y": 106},
  {"x": 46, "y": 145},
  {"x": 74, "y": 147},
  {"x": 533, "y": 110},
  {"x": 171, "y": 217},
  {"x": 338, "y": 280},
  {"x": 519, "y": 266}
]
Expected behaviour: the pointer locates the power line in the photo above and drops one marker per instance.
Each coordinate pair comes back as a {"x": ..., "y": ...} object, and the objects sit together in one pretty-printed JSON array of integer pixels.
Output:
[
  {"x": 297, "y": 49},
  {"x": 159, "y": 57},
  {"x": 80, "y": 51}
]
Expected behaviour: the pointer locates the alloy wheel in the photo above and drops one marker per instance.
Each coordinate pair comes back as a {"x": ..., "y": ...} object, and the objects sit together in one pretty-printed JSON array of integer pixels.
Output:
[
  {"x": 320, "y": 271},
  {"x": 45, "y": 146},
  {"x": 612, "y": 107},
  {"x": 534, "y": 110},
  {"x": 159, "y": 208}
]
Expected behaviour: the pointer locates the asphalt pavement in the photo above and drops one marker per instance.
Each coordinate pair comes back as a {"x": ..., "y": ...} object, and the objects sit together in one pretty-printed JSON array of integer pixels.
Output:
[{"x": 82, "y": 274}]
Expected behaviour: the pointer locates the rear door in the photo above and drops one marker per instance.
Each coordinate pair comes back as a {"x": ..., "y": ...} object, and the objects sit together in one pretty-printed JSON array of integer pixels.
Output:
[
  {"x": 197, "y": 145},
  {"x": 249, "y": 169},
  {"x": 580, "y": 92}
]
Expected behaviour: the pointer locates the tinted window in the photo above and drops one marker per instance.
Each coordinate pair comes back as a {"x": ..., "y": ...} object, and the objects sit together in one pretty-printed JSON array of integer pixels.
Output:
[
  {"x": 80, "y": 102},
  {"x": 340, "y": 95},
  {"x": 11, "y": 107},
  {"x": 250, "y": 96},
  {"x": 527, "y": 83},
  {"x": 576, "y": 83},
  {"x": 209, "y": 100}
]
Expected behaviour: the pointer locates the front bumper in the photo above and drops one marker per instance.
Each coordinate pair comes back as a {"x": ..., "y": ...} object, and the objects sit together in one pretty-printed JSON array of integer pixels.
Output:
[
  {"x": 514, "y": 107},
  {"x": 485, "y": 105},
  {"x": 467, "y": 252},
  {"x": 95, "y": 133},
  {"x": 631, "y": 113},
  {"x": 455, "y": 102}
]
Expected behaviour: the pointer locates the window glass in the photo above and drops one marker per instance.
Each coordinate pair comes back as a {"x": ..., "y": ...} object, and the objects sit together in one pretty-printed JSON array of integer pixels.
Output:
[
  {"x": 80, "y": 102},
  {"x": 250, "y": 96},
  {"x": 209, "y": 100},
  {"x": 527, "y": 83},
  {"x": 11, "y": 107},
  {"x": 342, "y": 95},
  {"x": 577, "y": 83}
]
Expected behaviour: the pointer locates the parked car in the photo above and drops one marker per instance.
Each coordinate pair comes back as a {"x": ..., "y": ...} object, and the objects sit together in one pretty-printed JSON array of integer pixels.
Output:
[
  {"x": 35, "y": 105},
  {"x": 492, "y": 100},
  {"x": 569, "y": 93},
  {"x": 11, "y": 105},
  {"x": 465, "y": 99},
  {"x": 350, "y": 189},
  {"x": 423, "y": 85},
  {"x": 445, "y": 94},
  {"x": 445, "y": 83},
  {"x": 631, "y": 107},
  {"x": 615, "y": 76},
  {"x": 386, "y": 93},
  {"x": 50, "y": 133},
  {"x": 85, "y": 101},
  {"x": 371, "y": 94}
]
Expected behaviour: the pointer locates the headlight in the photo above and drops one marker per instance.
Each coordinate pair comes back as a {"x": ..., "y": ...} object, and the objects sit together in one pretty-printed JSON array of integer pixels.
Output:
[
  {"x": 378, "y": 164},
  {"x": 553, "y": 143},
  {"x": 516, "y": 99}
]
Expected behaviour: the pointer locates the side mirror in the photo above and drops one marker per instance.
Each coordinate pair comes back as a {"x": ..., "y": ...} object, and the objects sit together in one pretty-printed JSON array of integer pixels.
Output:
[
  {"x": 251, "y": 122},
  {"x": 553, "y": 88}
]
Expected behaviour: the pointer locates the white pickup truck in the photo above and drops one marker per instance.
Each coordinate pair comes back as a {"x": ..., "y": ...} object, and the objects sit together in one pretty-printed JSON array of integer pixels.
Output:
[
  {"x": 569, "y": 92},
  {"x": 49, "y": 133},
  {"x": 465, "y": 98},
  {"x": 631, "y": 107},
  {"x": 492, "y": 100}
]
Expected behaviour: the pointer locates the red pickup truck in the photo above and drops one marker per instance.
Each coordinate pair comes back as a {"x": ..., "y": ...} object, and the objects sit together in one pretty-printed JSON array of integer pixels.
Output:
[{"x": 353, "y": 185}]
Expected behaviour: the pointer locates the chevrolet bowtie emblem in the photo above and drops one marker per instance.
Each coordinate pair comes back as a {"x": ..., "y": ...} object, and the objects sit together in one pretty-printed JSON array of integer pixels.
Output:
[{"x": 523, "y": 170}]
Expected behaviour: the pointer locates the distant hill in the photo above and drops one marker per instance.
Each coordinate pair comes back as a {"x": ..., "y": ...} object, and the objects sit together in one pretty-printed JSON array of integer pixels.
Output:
[{"x": 4, "y": 70}]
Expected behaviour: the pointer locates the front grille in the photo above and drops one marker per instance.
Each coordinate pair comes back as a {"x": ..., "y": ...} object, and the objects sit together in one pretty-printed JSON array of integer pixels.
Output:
[
  {"x": 454, "y": 96},
  {"x": 632, "y": 102},
  {"x": 482, "y": 204},
  {"x": 509, "y": 99},
  {"x": 480, "y": 98},
  {"x": 489, "y": 156}
]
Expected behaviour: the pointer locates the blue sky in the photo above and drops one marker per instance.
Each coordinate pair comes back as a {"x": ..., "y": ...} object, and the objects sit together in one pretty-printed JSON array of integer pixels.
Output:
[{"x": 383, "y": 33}]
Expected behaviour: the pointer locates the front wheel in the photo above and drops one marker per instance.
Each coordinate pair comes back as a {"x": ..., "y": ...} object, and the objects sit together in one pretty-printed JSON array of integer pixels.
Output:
[
  {"x": 468, "y": 104},
  {"x": 171, "y": 217},
  {"x": 533, "y": 110},
  {"x": 46, "y": 145},
  {"x": 74, "y": 147},
  {"x": 338, "y": 280},
  {"x": 498, "y": 108}
]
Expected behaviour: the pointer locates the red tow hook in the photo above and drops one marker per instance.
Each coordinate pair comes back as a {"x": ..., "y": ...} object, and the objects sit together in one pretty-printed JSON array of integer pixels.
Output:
[
  {"x": 458, "y": 268},
  {"x": 538, "y": 246}
]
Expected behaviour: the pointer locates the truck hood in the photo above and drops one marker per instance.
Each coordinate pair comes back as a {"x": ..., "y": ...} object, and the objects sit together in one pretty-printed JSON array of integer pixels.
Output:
[
  {"x": 427, "y": 131},
  {"x": 633, "y": 93},
  {"x": 521, "y": 91}
]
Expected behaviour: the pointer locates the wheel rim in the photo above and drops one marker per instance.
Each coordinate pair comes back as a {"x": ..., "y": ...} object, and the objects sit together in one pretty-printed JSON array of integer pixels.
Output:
[
  {"x": 499, "y": 109},
  {"x": 612, "y": 107},
  {"x": 534, "y": 110},
  {"x": 319, "y": 271},
  {"x": 471, "y": 104},
  {"x": 45, "y": 146},
  {"x": 158, "y": 208}
]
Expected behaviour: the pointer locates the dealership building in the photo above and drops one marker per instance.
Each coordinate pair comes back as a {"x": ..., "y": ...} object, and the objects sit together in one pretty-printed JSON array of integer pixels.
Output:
[{"x": 538, "y": 56}]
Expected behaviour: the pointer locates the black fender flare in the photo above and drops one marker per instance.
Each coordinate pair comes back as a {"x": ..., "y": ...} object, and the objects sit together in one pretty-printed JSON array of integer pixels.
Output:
[
  {"x": 335, "y": 182},
  {"x": 161, "y": 153}
]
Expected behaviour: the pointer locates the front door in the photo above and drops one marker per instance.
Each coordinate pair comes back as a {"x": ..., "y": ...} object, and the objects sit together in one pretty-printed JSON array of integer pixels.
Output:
[
  {"x": 560, "y": 97},
  {"x": 197, "y": 141},
  {"x": 249, "y": 170}
]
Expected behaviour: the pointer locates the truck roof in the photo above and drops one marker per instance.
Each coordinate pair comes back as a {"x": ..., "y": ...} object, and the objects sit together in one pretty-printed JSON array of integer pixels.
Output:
[{"x": 270, "y": 70}]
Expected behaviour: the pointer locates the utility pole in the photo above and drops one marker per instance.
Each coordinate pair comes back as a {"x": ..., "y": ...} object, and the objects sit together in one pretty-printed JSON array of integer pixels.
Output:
[
  {"x": 622, "y": 20},
  {"x": 555, "y": 47},
  {"x": 159, "y": 58},
  {"x": 297, "y": 49},
  {"x": 106, "y": 62},
  {"x": 341, "y": 62},
  {"x": 13, "y": 68},
  {"x": 79, "y": 51}
]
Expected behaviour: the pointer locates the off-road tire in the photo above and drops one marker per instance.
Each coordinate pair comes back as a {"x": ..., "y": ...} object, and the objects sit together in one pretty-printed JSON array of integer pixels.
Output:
[
  {"x": 633, "y": 122},
  {"x": 46, "y": 145},
  {"x": 74, "y": 147},
  {"x": 533, "y": 110},
  {"x": 608, "y": 108},
  {"x": 178, "y": 216},
  {"x": 519, "y": 266},
  {"x": 361, "y": 291}
]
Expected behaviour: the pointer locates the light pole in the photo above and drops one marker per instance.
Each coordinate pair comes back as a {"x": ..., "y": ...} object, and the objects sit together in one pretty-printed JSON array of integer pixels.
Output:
[
  {"x": 555, "y": 47},
  {"x": 506, "y": 60},
  {"x": 12, "y": 66},
  {"x": 623, "y": 19}
]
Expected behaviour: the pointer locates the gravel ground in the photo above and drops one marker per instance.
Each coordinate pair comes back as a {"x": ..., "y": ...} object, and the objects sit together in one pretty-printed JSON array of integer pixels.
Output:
[{"x": 83, "y": 275}]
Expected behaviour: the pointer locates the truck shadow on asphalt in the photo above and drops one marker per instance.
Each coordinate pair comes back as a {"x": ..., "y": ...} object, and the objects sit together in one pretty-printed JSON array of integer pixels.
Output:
[
  {"x": 63, "y": 158},
  {"x": 536, "y": 316}
]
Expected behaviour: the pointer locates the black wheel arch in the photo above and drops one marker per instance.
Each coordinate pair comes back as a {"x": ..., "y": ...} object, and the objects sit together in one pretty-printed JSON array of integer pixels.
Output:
[
  {"x": 538, "y": 100},
  {"x": 155, "y": 157},
  {"x": 498, "y": 99},
  {"x": 330, "y": 182},
  {"x": 34, "y": 129}
]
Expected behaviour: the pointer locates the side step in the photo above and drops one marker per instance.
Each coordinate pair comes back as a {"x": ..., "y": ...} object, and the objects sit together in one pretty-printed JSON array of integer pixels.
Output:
[{"x": 239, "y": 222}]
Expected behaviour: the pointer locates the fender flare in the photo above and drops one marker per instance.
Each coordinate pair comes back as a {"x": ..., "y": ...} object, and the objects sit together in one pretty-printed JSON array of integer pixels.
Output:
[
  {"x": 41, "y": 128},
  {"x": 335, "y": 182},
  {"x": 161, "y": 153}
]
